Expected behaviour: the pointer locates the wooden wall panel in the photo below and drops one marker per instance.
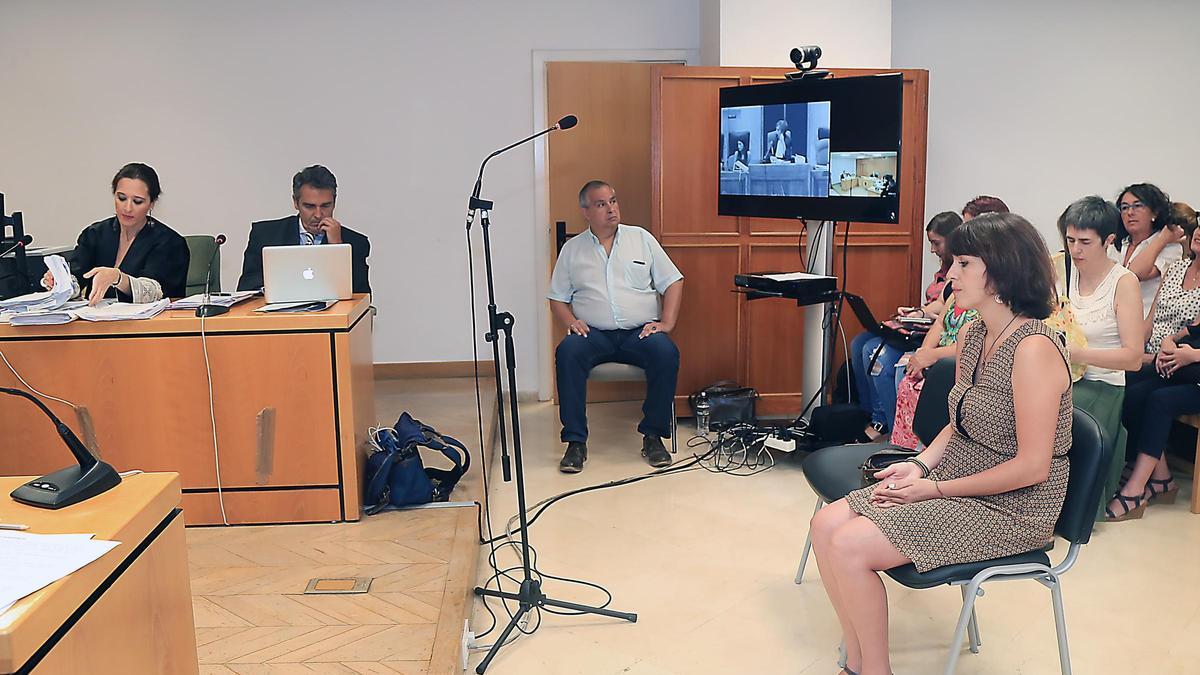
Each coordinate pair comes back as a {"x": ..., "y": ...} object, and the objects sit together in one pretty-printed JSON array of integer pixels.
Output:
[
  {"x": 707, "y": 332},
  {"x": 774, "y": 326},
  {"x": 689, "y": 128}
]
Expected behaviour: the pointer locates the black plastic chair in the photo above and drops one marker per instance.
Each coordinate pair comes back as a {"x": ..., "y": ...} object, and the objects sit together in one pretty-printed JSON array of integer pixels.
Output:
[
  {"x": 1088, "y": 455},
  {"x": 833, "y": 472}
]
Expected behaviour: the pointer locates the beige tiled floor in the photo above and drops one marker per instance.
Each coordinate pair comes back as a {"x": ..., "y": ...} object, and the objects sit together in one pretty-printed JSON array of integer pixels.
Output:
[{"x": 707, "y": 561}]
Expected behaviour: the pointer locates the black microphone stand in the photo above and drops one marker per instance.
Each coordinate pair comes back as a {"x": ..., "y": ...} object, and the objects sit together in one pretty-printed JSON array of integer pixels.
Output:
[
  {"x": 530, "y": 596},
  {"x": 205, "y": 309},
  {"x": 70, "y": 485}
]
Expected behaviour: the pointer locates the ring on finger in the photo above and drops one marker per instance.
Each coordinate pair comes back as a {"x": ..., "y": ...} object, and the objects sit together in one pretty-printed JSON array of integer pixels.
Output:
[{"x": 891, "y": 486}]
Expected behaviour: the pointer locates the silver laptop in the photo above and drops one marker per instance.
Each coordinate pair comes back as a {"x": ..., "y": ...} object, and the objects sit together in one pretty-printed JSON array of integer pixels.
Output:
[{"x": 307, "y": 273}]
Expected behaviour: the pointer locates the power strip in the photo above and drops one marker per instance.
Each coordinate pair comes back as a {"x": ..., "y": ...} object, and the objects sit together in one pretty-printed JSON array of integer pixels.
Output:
[{"x": 781, "y": 444}]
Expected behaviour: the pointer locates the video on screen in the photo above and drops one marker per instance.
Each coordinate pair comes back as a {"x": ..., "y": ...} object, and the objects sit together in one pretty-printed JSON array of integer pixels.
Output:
[{"x": 776, "y": 150}]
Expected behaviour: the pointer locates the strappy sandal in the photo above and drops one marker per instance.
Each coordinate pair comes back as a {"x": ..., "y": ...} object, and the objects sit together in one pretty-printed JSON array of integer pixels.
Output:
[
  {"x": 1130, "y": 513},
  {"x": 847, "y": 671},
  {"x": 1126, "y": 472},
  {"x": 871, "y": 434},
  {"x": 1166, "y": 495}
]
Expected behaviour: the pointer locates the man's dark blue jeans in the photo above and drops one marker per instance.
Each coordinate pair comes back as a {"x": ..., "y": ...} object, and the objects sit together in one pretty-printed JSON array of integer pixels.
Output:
[{"x": 577, "y": 355}]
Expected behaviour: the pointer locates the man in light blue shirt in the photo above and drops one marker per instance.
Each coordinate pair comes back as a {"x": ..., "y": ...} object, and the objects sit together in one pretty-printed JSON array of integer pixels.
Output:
[{"x": 618, "y": 294}]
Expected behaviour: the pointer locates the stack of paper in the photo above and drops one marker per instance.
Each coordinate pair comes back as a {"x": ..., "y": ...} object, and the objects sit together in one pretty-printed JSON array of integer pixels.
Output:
[
  {"x": 30, "y": 562},
  {"x": 121, "y": 311},
  {"x": 222, "y": 299},
  {"x": 44, "y": 300}
]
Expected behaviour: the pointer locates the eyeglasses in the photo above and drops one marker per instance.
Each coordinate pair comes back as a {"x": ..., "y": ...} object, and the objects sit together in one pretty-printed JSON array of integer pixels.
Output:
[{"x": 1136, "y": 206}]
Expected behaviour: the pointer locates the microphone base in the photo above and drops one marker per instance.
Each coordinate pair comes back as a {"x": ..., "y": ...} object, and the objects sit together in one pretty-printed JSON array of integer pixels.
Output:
[
  {"x": 68, "y": 486},
  {"x": 211, "y": 310}
]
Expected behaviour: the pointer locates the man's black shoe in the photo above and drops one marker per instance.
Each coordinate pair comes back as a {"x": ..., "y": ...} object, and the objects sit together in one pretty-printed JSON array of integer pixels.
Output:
[
  {"x": 654, "y": 452},
  {"x": 574, "y": 457}
]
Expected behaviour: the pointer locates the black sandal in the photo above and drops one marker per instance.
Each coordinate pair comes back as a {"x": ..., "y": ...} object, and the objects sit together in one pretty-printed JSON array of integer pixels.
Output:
[
  {"x": 1170, "y": 490},
  {"x": 865, "y": 436},
  {"x": 1130, "y": 513}
]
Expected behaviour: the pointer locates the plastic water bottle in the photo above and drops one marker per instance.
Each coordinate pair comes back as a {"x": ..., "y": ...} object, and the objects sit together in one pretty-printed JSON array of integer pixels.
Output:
[{"x": 703, "y": 409}]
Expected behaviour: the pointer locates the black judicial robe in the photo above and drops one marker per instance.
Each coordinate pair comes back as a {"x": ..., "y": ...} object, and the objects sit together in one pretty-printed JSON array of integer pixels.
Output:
[{"x": 157, "y": 252}]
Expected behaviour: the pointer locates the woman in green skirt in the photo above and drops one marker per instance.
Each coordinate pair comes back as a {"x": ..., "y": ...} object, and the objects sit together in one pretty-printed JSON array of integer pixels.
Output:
[{"x": 1106, "y": 300}]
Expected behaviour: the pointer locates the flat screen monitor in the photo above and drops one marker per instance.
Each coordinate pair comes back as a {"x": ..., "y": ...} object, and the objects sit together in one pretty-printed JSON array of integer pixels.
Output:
[{"x": 817, "y": 149}]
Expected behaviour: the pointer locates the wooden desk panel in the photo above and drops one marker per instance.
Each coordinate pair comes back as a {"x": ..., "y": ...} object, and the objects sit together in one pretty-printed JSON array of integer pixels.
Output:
[
  {"x": 293, "y": 397},
  {"x": 133, "y": 604}
]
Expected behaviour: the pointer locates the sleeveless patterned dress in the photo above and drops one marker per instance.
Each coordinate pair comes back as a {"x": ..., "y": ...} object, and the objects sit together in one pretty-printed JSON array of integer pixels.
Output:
[{"x": 945, "y": 531}]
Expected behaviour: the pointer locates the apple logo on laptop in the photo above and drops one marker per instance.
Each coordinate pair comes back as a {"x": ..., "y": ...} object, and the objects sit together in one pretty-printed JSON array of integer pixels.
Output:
[{"x": 308, "y": 273}]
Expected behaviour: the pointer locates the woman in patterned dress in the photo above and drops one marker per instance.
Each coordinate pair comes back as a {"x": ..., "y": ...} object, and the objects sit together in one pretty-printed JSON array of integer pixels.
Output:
[
  {"x": 1157, "y": 394},
  {"x": 993, "y": 482}
]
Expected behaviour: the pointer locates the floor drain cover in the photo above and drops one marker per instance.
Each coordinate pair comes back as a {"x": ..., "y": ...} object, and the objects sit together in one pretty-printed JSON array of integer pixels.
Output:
[{"x": 346, "y": 585}]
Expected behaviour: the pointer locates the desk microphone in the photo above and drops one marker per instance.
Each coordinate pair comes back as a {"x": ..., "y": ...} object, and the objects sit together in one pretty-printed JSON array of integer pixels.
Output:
[
  {"x": 70, "y": 485},
  {"x": 206, "y": 309},
  {"x": 22, "y": 242}
]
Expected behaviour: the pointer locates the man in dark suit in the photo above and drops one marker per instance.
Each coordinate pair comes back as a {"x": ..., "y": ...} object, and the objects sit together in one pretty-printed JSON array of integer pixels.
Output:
[
  {"x": 779, "y": 144},
  {"x": 314, "y": 194}
]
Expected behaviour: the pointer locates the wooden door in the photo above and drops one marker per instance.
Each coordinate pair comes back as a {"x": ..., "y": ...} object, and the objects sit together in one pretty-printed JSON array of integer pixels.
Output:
[{"x": 610, "y": 143}]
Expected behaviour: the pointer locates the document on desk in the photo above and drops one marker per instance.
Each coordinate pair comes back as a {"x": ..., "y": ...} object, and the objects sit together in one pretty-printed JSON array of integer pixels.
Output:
[
  {"x": 30, "y": 562},
  {"x": 52, "y": 299},
  {"x": 222, "y": 299},
  {"x": 298, "y": 307},
  {"x": 122, "y": 311}
]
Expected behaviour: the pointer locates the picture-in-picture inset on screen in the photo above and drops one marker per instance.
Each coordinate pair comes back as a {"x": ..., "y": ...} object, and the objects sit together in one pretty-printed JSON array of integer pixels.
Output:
[
  {"x": 863, "y": 174},
  {"x": 776, "y": 150}
]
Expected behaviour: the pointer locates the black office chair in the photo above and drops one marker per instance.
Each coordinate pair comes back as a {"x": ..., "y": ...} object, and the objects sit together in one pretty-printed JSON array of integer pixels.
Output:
[
  {"x": 1088, "y": 454},
  {"x": 833, "y": 472}
]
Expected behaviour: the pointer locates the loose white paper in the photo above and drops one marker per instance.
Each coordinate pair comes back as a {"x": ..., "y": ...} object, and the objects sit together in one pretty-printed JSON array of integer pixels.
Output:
[{"x": 30, "y": 562}]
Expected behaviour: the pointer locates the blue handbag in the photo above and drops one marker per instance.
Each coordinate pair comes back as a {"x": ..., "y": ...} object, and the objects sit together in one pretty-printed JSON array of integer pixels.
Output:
[{"x": 397, "y": 477}]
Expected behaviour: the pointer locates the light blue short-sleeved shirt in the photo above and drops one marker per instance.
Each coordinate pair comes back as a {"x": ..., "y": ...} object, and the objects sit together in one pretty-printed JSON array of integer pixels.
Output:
[{"x": 621, "y": 290}]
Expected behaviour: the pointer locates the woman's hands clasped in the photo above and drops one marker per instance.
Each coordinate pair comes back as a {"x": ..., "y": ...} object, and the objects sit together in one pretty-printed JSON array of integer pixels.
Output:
[{"x": 901, "y": 483}]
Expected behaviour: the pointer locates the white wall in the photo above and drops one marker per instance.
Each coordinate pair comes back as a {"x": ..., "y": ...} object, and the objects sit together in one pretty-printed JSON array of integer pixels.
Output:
[
  {"x": 228, "y": 99},
  {"x": 761, "y": 32},
  {"x": 1040, "y": 103}
]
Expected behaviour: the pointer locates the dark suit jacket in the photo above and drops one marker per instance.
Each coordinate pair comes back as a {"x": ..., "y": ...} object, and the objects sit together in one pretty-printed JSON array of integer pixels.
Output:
[
  {"x": 286, "y": 232},
  {"x": 158, "y": 253}
]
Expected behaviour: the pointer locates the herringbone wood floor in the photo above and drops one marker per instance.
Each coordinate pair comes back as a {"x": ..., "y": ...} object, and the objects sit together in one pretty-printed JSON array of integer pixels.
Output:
[{"x": 251, "y": 614}]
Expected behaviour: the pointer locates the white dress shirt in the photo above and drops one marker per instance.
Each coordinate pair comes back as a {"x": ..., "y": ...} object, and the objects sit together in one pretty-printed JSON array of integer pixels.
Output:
[
  {"x": 1170, "y": 253},
  {"x": 614, "y": 291}
]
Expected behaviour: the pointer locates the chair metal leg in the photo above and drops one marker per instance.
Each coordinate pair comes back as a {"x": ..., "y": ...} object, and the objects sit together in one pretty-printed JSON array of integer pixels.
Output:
[
  {"x": 972, "y": 625},
  {"x": 1060, "y": 627},
  {"x": 674, "y": 430},
  {"x": 970, "y": 592},
  {"x": 807, "y": 547}
]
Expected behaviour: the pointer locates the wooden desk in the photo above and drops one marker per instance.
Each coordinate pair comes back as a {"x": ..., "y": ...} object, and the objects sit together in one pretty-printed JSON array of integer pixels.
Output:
[
  {"x": 128, "y": 612},
  {"x": 294, "y": 396}
]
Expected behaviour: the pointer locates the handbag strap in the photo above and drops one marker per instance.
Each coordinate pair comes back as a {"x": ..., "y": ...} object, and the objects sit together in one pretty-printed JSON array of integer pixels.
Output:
[{"x": 379, "y": 483}]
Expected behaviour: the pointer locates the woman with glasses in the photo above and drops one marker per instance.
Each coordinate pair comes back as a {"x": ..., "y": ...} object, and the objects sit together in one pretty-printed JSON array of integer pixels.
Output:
[
  {"x": 1146, "y": 244},
  {"x": 1164, "y": 389}
]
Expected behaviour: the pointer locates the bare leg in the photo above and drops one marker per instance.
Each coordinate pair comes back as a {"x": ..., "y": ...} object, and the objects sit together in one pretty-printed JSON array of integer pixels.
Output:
[
  {"x": 1161, "y": 470},
  {"x": 859, "y": 550},
  {"x": 824, "y": 523},
  {"x": 1143, "y": 467}
]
